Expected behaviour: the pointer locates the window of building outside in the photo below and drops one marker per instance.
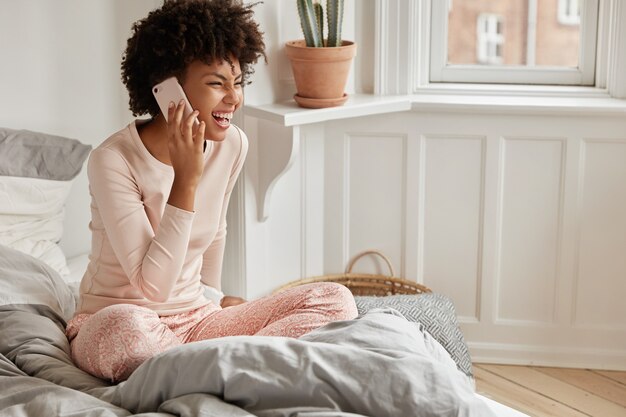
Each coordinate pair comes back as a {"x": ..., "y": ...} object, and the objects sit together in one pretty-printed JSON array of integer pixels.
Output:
[
  {"x": 489, "y": 39},
  {"x": 514, "y": 41},
  {"x": 569, "y": 12}
]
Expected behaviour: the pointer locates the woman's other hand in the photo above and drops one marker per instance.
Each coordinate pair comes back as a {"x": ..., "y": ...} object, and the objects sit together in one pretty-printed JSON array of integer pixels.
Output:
[{"x": 229, "y": 301}]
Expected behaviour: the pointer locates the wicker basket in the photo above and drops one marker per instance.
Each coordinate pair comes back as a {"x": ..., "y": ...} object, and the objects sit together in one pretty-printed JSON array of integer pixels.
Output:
[{"x": 366, "y": 284}]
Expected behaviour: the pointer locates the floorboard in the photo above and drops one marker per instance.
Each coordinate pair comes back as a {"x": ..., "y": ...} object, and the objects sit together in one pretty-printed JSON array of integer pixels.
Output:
[
  {"x": 518, "y": 397},
  {"x": 616, "y": 376},
  {"x": 591, "y": 382},
  {"x": 547, "y": 392}
]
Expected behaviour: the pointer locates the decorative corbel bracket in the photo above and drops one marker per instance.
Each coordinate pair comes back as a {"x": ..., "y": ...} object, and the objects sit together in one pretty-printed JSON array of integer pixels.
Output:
[
  {"x": 277, "y": 151},
  {"x": 281, "y": 126}
]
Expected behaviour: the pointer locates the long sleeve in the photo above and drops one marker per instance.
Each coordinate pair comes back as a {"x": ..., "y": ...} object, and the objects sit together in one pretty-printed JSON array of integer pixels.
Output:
[
  {"x": 152, "y": 261},
  {"x": 144, "y": 251},
  {"x": 212, "y": 260}
]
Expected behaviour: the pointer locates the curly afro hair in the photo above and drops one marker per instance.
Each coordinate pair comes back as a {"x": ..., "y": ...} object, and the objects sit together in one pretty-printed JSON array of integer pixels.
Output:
[{"x": 170, "y": 38}]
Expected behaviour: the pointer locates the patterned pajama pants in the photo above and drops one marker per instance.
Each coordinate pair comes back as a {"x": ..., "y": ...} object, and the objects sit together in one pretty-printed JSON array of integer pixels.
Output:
[{"x": 114, "y": 341}]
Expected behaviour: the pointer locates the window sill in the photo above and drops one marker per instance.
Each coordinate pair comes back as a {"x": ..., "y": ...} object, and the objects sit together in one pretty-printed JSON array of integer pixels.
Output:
[
  {"x": 288, "y": 113},
  {"x": 514, "y": 90},
  {"x": 594, "y": 103},
  {"x": 521, "y": 105}
]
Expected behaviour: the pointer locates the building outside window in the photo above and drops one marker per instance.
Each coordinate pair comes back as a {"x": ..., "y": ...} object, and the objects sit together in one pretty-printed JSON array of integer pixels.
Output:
[
  {"x": 569, "y": 12},
  {"x": 514, "y": 41},
  {"x": 490, "y": 39}
]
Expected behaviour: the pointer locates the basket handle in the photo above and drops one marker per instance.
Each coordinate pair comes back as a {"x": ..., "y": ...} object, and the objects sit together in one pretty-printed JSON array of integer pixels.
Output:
[{"x": 370, "y": 252}]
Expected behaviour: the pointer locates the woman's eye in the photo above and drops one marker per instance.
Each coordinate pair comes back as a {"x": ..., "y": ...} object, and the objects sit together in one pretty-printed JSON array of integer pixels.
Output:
[{"x": 219, "y": 84}]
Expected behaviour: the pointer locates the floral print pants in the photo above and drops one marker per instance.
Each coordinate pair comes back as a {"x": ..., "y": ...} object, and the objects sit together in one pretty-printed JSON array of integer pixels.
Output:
[{"x": 114, "y": 341}]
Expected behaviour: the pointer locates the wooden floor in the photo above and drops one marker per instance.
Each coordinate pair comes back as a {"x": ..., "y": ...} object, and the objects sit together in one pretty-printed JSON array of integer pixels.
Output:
[{"x": 554, "y": 392}]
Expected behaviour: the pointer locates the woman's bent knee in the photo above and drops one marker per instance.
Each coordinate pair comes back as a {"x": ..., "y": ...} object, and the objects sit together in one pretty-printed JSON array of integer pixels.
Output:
[
  {"x": 334, "y": 298},
  {"x": 344, "y": 301},
  {"x": 113, "y": 342}
]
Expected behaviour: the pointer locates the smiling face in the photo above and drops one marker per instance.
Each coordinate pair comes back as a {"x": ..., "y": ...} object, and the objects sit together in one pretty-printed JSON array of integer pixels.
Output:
[{"x": 216, "y": 91}]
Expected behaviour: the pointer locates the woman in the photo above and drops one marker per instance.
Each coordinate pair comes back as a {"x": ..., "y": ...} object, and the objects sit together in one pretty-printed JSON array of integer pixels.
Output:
[{"x": 159, "y": 202}]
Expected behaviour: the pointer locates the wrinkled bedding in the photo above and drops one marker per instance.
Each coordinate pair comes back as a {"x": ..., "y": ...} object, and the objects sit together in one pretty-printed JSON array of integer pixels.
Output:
[{"x": 377, "y": 365}]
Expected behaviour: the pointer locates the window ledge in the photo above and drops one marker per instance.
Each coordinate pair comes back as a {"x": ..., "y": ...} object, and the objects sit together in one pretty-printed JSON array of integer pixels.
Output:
[
  {"x": 521, "y": 105},
  {"x": 288, "y": 113},
  {"x": 515, "y": 90}
]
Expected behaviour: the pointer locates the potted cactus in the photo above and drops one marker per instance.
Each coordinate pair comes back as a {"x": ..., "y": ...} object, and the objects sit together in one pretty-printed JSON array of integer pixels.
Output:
[{"x": 320, "y": 65}]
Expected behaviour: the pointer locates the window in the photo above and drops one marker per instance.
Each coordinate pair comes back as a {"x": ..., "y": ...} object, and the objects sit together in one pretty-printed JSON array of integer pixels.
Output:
[
  {"x": 551, "y": 42},
  {"x": 569, "y": 12},
  {"x": 593, "y": 54},
  {"x": 489, "y": 39}
]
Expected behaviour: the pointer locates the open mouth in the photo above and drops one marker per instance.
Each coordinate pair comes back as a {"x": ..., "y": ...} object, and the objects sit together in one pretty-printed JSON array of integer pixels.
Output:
[{"x": 222, "y": 119}]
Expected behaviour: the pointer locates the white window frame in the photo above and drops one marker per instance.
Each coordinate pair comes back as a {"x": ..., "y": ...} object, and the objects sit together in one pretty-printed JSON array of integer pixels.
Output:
[
  {"x": 565, "y": 15},
  {"x": 441, "y": 71},
  {"x": 402, "y": 57},
  {"x": 487, "y": 41}
]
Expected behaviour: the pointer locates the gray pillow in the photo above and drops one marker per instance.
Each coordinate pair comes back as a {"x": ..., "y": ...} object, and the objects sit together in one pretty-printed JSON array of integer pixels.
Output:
[
  {"x": 39, "y": 155},
  {"x": 436, "y": 313}
]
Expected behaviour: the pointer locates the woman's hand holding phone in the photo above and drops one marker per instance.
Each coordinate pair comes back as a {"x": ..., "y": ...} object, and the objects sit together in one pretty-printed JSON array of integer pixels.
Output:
[
  {"x": 185, "y": 141},
  {"x": 185, "y": 144}
]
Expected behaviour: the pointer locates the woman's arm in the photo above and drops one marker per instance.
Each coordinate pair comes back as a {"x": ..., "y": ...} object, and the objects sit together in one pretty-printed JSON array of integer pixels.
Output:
[{"x": 152, "y": 261}]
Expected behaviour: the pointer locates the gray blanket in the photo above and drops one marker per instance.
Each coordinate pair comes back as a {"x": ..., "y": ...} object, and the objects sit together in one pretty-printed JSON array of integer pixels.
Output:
[{"x": 378, "y": 365}]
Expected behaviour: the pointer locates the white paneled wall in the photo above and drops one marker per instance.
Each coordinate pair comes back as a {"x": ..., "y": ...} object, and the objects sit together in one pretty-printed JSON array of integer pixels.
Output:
[
  {"x": 529, "y": 236},
  {"x": 451, "y": 176},
  {"x": 600, "y": 261},
  {"x": 519, "y": 219},
  {"x": 364, "y": 186}
]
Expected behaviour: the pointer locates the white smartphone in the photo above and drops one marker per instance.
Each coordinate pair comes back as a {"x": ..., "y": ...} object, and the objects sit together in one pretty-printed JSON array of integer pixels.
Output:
[{"x": 171, "y": 91}]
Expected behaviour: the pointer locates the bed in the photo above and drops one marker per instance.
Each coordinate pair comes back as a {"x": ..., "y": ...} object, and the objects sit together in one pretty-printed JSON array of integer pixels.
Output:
[{"x": 380, "y": 364}]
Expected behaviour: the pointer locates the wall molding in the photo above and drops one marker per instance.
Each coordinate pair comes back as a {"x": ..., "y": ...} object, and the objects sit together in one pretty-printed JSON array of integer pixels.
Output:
[
  {"x": 312, "y": 179},
  {"x": 560, "y": 356},
  {"x": 395, "y": 50},
  {"x": 616, "y": 77},
  {"x": 236, "y": 282},
  {"x": 349, "y": 138},
  {"x": 558, "y": 249},
  {"x": 481, "y": 139},
  {"x": 581, "y": 195}
]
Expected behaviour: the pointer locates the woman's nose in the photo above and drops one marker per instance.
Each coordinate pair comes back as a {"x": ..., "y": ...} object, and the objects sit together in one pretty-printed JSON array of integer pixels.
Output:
[{"x": 232, "y": 97}]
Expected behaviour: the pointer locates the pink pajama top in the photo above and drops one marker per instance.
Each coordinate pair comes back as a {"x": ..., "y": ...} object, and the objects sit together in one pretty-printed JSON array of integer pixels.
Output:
[{"x": 144, "y": 251}]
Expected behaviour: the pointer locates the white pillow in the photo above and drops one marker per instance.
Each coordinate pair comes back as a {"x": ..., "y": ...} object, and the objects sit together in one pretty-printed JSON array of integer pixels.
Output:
[
  {"x": 31, "y": 217},
  {"x": 36, "y": 170}
]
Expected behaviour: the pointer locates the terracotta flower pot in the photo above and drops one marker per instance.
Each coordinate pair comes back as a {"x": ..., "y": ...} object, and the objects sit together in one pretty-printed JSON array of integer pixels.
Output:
[{"x": 321, "y": 74}]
